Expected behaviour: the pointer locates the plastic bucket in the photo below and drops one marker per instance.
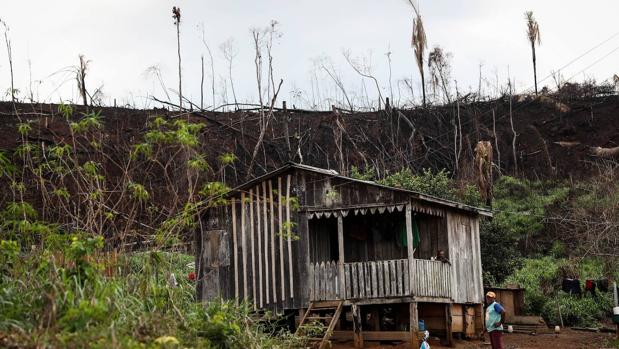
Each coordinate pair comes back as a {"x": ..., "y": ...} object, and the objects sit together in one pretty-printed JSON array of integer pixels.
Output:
[
  {"x": 422, "y": 325},
  {"x": 616, "y": 311}
]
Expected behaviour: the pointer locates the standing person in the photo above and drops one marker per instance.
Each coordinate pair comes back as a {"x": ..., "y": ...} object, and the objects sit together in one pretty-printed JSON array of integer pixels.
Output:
[{"x": 495, "y": 317}]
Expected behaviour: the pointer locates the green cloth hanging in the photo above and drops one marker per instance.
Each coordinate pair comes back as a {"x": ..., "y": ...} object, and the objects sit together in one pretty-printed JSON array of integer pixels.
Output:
[
  {"x": 402, "y": 235},
  {"x": 416, "y": 236}
]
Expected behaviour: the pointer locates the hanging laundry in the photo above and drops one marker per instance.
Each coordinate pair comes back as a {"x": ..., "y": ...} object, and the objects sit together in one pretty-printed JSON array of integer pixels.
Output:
[{"x": 571, "y": 286}]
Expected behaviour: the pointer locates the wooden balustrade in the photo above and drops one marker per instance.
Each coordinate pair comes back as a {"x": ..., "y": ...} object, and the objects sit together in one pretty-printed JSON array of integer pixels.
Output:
[{"x": 380, "y": 279}]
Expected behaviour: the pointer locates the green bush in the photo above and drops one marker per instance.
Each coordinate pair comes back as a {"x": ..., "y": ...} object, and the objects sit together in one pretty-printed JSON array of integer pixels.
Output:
[
  {"x": 542, "y": 278},
  {"x": 583, "y": 311},
  {"x": 63, "y": 298},
  {"x": 520, "y": 205},
  {"x": 436, "y": 184},
  {"x": 499, "y": 252}
]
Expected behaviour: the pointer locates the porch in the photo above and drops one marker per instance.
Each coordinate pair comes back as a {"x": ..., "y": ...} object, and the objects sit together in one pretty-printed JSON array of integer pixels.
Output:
[
  {"x": 380, "y": 280},
  {"x": 367, "y": 256}
]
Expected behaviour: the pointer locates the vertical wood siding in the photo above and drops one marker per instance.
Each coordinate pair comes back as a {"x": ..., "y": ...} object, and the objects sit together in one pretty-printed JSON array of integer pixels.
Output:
[
  {"x": 262, "y": 253},
  {"x": 464, "y": 252},
  {"x": 266, "y": 268}
]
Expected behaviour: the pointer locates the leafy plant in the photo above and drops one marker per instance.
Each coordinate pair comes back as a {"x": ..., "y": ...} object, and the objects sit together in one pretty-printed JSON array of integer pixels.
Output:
[
  {"x": 435, "y": 184},
  {"x": 367, "y": 175},
  {"x": 226, "y": 159},
  {"x": 138, "y": 192}
]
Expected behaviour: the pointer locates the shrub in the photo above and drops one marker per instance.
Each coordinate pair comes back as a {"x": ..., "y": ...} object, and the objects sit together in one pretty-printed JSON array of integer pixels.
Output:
[
  {"x": 499, "y": 252},
  {"x": 583, "y": 311},
  {"x": 542, "y": 279},
  {"x": 436, "y": 184},
  {"x": 68, "y": 301}
]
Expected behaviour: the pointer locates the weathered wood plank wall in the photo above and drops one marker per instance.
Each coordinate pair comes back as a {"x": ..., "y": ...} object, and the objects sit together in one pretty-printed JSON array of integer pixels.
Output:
[
  {"x": 246, "y": 250},
  {"x": 464, "y": 252},
  {"x": 260, "y": 243}
]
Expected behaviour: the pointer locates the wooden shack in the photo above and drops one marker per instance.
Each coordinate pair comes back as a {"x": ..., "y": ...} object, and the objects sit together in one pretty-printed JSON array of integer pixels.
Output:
[
  {"x": 313, "y": 244},
  {"x": 511, "y": 298}
]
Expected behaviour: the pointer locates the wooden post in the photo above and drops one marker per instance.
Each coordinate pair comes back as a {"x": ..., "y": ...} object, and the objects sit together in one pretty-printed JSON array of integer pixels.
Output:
[
  {"x": 479, "y": 320},
  {"x": 414, "y": 325},
  {"x": 259, "y": 247},
  {"x": 301, "y": 314},
  {"x": 288, "y": 233},
  {"x": 265, "y": 225},
  {"x": 273, "y": 233},
  {"x": 253, "y": 246},
  {"x": 409, "y": 245},
  {"x": 340, "y": 265},
  {"x": 287, "y": 131},
  {"x": 448, "y": 327},
  {"x": 244, "y": 246},
  {"x": 280, "y": 202},
  {"x": 356, "y": 325},
  {"x": 235, "y": 251}
]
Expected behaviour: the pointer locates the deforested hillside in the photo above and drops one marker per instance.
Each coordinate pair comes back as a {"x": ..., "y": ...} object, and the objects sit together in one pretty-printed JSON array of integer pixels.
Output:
[{"x": 552, "y": 137}]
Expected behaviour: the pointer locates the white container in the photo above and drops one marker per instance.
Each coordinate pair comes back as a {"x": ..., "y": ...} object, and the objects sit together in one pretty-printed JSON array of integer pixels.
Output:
[
  {"x": 616, "y": 310},
  {"x": 510, "y": 328},
  {"x": 557, "y": 329}
]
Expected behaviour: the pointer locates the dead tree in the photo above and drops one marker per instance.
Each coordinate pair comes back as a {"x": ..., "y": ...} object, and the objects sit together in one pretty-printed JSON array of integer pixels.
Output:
[
  {"x": 210, "y": 54},
  {"x": 483, "y": 170},
  {"x": 515, "y": 135},
  {"x": 440, "y": 70},
  {"x": 176, "y": 14},
  {"x": 9, "y": 51},
  {"x": 533, "y": 35},
  {"x": 419, "y": 43},
  {"x": 81, "y": 79}
]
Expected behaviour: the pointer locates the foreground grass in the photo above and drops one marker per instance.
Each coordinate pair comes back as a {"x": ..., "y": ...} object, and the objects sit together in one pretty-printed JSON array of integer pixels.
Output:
[{"x": 65, "y": 298}]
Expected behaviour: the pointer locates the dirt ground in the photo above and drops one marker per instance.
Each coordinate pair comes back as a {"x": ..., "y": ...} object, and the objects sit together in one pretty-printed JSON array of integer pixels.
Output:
[{"x": 567, "y": 339}]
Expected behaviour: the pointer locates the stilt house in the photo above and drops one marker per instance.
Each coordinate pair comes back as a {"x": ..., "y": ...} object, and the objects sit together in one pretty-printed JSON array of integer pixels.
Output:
[{"x": 354, "y": 254}]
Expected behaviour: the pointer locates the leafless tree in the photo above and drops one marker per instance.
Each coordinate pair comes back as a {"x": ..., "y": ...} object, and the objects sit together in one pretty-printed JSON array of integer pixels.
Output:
[
  {"x": 365, "y": 70},
  {"x": 176, "y": 14},
  {"x": 9, "y": 51},
  {"x": 328, "y": 67},
  {"x": 212, "y": 63},
  {"x": 533, "y": 34},
  {"x": 388, "y": 55},
  {"x": 515, "y": 135},
  {"x": 230, "y": 52},
  {"x": 202, "y": 82},
  {"x": 273, "y": 34},
  {"x": 558, "y": 78},
  {"x": 155, "y": 71},
  {"x": 440, "y": 70},
  {"x": 266, "y": 112}
]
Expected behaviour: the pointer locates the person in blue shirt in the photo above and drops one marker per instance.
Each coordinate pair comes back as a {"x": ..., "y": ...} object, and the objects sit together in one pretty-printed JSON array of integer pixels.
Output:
[
  {"x": 495, "y": 317},
  {"x": 425, "y": 344}
]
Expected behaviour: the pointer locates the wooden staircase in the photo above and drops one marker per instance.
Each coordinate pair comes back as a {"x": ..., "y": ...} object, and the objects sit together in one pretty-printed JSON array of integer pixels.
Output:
[{"x": 326, "y": 313}]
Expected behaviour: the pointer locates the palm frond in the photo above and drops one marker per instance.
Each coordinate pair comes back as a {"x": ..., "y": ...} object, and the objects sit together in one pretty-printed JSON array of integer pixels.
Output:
[{"x": 533, "y": 32}]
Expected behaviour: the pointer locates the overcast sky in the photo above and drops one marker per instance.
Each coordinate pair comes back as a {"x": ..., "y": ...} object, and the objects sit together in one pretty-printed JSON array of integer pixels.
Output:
[{"x": 123, "y": 38}]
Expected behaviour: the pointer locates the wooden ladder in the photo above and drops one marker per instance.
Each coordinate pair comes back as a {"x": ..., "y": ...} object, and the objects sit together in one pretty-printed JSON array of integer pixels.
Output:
[{"x": 325, "y": 312}]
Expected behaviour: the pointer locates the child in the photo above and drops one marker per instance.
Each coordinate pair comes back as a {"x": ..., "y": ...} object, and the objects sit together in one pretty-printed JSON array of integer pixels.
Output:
[{"x": 424, "y": 344}]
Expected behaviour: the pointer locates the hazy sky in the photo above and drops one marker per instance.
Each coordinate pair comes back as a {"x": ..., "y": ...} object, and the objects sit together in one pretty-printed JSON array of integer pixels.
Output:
[{"x": 123, "y": 38}]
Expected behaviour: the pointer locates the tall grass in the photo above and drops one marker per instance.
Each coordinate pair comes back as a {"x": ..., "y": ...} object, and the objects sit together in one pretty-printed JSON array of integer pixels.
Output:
[{"x": 67, "y": 298}]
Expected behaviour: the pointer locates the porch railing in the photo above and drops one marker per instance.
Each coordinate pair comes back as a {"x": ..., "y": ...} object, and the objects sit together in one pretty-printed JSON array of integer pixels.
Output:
[
  {"x": 431, "y": 278},
  {"x": 324, "y": 281},
  {"x": 379, "y": 279}
]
